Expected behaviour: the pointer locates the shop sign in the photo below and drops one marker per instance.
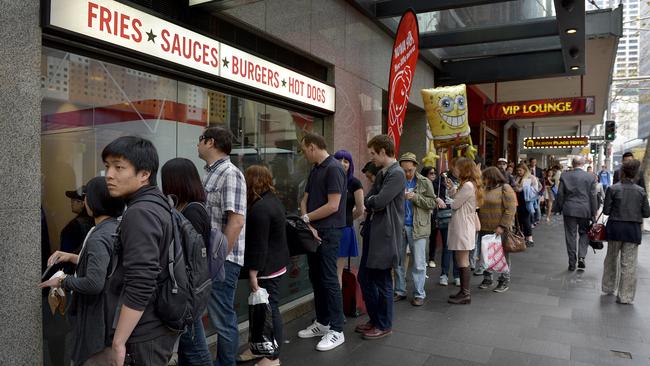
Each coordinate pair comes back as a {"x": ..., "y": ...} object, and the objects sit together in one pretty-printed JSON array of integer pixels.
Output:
[
  {"x": 540, "y": 108},
  {"x": 555, "y": 142},
  {"x": 124, "y": 26},
  {"x": 402, "y": 69}
]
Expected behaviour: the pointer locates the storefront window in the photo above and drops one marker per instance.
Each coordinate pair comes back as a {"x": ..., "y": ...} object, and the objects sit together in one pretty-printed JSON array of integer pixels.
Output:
[{"x": 87, "y": 103}]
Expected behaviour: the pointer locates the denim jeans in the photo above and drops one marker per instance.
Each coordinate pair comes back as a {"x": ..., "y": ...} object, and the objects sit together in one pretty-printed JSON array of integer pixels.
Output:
[
  {"x": 193, "y": 347},
  {"x": 221, "y": 309},
  {"x": 377, "y": 289},
  {"x": 447, "y": 256},
  {"x": 324, "y": 278},
  {"x": 155, "y": 352},
  {"x": 418, "y": 267},
  {"x": 272, "y": 286}
]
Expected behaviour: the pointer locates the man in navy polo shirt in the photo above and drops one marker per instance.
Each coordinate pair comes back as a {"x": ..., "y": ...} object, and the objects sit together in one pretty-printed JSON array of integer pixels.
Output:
[{"x": 324, "y": 211}]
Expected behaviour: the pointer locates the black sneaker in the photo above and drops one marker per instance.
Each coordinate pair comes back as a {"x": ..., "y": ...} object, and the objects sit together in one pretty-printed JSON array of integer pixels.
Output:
[
  {"x": 503, "y": 286},
  {"x": 530, "y": 243},
  {"x": 581, "y": 264},
  {"x": 572, "y": 267},
  {"x": 485, "y": 284}
]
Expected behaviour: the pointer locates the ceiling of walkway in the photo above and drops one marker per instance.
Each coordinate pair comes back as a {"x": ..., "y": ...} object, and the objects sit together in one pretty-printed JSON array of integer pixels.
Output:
[{"x": 474, "y": 41}]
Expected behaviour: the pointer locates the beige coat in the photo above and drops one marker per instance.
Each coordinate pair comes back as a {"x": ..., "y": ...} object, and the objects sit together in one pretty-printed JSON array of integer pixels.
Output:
[{"x": 464, "y": 220}]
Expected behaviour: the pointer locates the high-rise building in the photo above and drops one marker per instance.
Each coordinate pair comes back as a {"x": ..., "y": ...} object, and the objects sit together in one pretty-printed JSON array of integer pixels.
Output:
[{"x": 644, "y": 71}]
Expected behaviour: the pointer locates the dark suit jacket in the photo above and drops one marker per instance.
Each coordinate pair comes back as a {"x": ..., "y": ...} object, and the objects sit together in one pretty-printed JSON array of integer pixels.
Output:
[
  {"x": 385, "y": 201},
  {"x": 577, "y": 194}
]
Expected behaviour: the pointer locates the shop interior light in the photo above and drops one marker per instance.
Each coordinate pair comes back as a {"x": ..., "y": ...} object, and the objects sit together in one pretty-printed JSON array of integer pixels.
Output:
[
  {"x": 571, "y": 31},
  {"x": 574, "y": 68}
]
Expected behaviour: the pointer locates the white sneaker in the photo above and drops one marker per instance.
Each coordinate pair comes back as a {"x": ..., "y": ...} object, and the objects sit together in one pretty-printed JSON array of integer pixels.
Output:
[
  {"x": 457, "y": 282},
  {"x": 444, "y": 281},
  {"x": 330, "y": 341},
  {"x": 315, "y": 330}
]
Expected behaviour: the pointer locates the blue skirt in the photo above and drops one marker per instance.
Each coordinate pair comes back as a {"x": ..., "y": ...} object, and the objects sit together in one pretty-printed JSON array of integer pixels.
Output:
[{"x": 348, "y": 247}]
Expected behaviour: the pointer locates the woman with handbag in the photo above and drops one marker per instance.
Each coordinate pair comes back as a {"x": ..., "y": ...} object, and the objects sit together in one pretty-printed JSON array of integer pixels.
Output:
[
  {"x": 497, "y": 216},
  {"x": 527, "y": 186},
  {"x": 464, "y": 222},
  {"x": 267, "y": 253},
  {"x": 87, "y": 307},
  {"x": 627, "y": 205}
]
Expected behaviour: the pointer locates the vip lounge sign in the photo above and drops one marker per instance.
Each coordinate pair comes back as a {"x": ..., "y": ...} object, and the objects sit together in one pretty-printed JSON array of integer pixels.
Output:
[
  {"x": 555, "y": 142},
  {"x": 121, "y": 25},
  {"x": 402, "y": 69},
  {"x": 540, "y": 108}
]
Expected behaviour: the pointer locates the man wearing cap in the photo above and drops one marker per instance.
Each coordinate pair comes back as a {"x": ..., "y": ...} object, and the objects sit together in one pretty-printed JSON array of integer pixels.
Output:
[
  {"x": 502, "y": 164},
  {"x": 420, "y": 199},
  {"x": 74, "y": 233}
]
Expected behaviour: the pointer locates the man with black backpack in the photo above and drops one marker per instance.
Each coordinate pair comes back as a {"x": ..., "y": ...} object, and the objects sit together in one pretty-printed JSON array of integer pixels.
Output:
[{"x": 139, "y": 335}]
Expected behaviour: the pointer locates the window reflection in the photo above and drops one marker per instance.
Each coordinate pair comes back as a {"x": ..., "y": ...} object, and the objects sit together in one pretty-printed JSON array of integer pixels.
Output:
[{"x": 86, "y": 103}]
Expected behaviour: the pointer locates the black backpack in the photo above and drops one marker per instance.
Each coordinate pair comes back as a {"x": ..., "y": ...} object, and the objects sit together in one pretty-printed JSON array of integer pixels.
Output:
[
  {"x": 184, "y": 289},
  {"x": 184, "y": 284}
]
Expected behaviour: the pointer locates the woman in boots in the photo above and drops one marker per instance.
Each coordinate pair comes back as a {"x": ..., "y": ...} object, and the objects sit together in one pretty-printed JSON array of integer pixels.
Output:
[{"x": 464, "y": 222}]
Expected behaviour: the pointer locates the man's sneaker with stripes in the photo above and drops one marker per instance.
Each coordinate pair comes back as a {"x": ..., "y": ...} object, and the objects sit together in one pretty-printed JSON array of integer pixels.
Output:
[
  {"x": 330, "y": 340},
  {"x": 315, "y": 330}
]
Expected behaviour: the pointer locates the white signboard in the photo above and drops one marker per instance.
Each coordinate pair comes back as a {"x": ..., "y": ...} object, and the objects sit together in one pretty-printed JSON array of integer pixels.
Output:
[{"x": 124, "y": 26}]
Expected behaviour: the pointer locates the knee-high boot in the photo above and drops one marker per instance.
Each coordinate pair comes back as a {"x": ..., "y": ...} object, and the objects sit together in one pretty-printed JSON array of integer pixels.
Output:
[{"x": 463, "y": 296}]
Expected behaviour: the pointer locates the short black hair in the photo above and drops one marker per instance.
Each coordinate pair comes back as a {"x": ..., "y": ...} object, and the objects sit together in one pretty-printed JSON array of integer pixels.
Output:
[
  {"x": 370, "y": 168},
  {"x": 222, "y": 138},
  {"x": 628, "y": 155},
  {"x": 311, "y": 138},
  {"x": 100, "y": 201},
  {"x": 138, "y": 151},
  {"x": 180, "y": 178},
  {"x": 427, "y": 169},
  {"x": 630, "y": 169}
]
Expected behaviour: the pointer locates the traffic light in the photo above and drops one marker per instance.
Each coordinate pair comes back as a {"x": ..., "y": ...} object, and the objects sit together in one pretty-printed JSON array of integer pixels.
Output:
[
  {"x": 593, "y": 148},
  {"x": 610, "y": 130}
]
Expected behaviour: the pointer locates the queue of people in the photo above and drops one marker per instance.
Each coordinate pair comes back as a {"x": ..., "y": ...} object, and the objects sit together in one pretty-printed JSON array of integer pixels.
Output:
[{"x": 118, "y": 269}]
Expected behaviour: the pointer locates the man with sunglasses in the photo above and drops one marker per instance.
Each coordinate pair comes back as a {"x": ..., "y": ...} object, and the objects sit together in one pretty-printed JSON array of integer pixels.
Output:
[{"x": 226, "y": 202}]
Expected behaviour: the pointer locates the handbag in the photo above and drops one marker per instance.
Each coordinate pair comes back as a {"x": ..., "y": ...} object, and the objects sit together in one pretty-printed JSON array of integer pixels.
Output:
[
  {"x": 597, "y": 234},
  {"x": 443, "y": 217},
  {"x": 300, "y": 239},
  {"x": 513, "y": 240}
]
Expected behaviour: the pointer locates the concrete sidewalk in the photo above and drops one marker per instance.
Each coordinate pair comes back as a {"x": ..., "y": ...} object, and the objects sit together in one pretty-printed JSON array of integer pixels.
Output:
[{"x": 548, "y": 317}]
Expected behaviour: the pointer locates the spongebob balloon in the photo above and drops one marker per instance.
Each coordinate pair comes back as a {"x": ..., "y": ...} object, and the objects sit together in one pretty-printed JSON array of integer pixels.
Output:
[{"x": 447, "y": 116}]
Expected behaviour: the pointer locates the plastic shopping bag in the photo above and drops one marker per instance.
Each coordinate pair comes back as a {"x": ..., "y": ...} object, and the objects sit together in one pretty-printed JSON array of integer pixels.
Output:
[
  {"x": 492, "y": 256},
  {"x": 260, "y": 336}
]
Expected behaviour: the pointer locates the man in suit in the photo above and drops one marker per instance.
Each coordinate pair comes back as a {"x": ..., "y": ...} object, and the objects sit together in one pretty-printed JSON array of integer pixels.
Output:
[
  {"x": 577, "y": 200},
  {"x": 639, "y": 180}
]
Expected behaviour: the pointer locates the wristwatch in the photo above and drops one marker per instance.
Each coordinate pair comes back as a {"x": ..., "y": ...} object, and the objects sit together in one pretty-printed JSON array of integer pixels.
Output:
[{"x": 305, "y": 218}]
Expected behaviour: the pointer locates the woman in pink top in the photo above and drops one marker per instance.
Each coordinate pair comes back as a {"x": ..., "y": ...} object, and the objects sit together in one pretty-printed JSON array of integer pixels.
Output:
[{"x": 464, "y": 222}]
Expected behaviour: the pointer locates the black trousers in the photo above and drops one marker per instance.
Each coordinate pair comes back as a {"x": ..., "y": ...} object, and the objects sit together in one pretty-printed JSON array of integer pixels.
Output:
[
  {"x": 155, "y": 352},
  {"x": 272, "y": 286}
]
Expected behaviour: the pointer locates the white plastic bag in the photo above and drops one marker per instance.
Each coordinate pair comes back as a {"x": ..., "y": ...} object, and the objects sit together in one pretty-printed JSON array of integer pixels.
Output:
[
  {"x": 261, "y": 337},
  {"x": 492, "y": 256}
]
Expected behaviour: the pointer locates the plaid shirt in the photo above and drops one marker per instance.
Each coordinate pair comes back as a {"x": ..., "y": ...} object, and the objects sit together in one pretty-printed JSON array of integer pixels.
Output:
[{"x": 226, "y": 190}]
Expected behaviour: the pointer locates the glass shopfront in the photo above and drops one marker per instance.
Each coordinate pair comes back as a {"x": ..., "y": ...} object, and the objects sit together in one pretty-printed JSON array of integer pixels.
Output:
[{"x": 87, "y": 103}]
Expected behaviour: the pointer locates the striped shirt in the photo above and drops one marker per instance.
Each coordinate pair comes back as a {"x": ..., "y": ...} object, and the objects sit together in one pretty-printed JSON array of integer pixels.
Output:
[
  {"x": 225, "y": 187},
  {"x": 498, "y": 209}
]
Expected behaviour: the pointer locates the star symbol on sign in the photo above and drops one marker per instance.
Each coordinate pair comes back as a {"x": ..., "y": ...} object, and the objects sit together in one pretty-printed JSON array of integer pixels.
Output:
[
  {"x": 284, "y": 83},
  {"x": 151, "y": 37},
  {"x": 225, "y": 62}
]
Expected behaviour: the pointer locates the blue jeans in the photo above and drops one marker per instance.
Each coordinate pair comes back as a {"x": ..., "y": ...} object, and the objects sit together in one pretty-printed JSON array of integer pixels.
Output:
[
  {"x": 193, "y": 347},
  {"x": 377, "y": 289},
  {"x": 418, "y": 267},
  {"x": 223, "y": 317},
  {"x": 447, "y": 256},
  {"x": 328, "y": 300}
]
